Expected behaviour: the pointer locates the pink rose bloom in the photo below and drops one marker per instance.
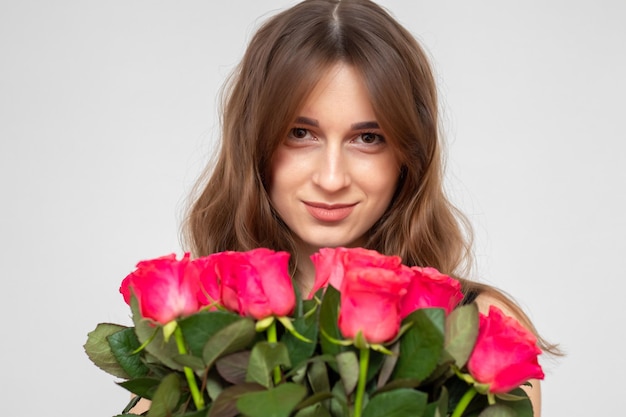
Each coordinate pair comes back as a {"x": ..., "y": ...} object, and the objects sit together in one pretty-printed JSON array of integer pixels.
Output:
[
  {"x": 255, "y": 283},
  {"x": 331, "y": 264},
  {"x": 370, "y": 302},
  {"x": 165, "y": 288},
  {"x": 431, "y": 288},
  {"x": 505, "y": 355},
  {"x": 209, "y": 290},
  {"x": 371, "y": 287}
]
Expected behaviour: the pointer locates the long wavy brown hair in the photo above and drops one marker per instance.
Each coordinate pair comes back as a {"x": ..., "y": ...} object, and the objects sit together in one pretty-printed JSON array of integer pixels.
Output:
[{"x": 285, "y": 59}]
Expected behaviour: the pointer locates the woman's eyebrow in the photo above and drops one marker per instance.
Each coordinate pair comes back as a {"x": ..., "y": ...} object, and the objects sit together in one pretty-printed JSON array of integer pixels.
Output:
[
  {"x": 355, "y": 126},
  {"x": 365, "y": 125},
  {"x": 307, "y": 121}
]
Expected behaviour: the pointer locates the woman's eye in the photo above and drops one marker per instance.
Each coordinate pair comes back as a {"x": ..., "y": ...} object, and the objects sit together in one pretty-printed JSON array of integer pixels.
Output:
[
  {"x": 299, "y": 133},
  {"x": 371, "y": 138}
]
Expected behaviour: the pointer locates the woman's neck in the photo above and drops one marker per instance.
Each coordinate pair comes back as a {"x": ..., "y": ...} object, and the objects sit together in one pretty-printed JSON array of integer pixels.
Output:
[{"x": 305, "y": 277}]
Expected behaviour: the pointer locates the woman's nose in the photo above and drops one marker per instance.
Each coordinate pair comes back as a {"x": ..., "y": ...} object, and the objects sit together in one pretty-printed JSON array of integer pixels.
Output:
[{"x": 332, "y": 170}]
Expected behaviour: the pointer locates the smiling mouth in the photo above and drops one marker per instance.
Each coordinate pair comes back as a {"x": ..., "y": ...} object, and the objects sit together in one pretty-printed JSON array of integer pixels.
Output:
[{"x": 329, "y": 212}]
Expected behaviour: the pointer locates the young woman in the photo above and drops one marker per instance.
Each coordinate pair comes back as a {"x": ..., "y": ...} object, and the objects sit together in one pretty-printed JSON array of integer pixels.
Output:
[{"x": 330, "y": 138}]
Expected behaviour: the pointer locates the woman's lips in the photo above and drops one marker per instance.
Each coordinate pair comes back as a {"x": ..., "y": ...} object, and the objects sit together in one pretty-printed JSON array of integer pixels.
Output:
[{"x": 329, "y": 212}]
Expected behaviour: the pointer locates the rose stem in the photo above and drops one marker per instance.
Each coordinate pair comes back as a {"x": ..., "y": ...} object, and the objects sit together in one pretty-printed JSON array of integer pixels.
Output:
[
  {"x": 464, "y": 402},
  {"x": 191, "y": 379},
  {"x": 364, "y": 358},
  {"x": 272, "y": 337}
]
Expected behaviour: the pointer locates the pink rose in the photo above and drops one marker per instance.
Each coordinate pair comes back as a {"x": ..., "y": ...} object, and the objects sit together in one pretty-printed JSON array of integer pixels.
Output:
[
  {"x": 165, "y": 288},
  {"x": 431, "y": 288},
  {"x": 255, "y": 283},
  {"x": 331, "y": 263},
  {"x": 371, "y": 287},
  {"x": 370, "y": 302},
  {"x": 505, "y": 354},
  {"x": 209, "y": 290}
]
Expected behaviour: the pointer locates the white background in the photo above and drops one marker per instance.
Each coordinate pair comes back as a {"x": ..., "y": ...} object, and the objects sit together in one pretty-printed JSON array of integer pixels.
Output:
[{"x": 108, "y": 113}]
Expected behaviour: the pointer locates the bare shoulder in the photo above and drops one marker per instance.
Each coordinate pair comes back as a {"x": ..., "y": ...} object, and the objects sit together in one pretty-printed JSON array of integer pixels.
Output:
[{"x": 142, "y": 406}]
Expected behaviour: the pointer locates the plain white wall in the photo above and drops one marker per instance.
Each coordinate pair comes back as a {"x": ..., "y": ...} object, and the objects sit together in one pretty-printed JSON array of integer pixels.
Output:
[{"x": 108, "y": 113}]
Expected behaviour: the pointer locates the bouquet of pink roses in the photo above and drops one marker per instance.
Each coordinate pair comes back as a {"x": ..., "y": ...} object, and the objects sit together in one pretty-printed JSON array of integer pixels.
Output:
[{"x": 228, "y": 335}]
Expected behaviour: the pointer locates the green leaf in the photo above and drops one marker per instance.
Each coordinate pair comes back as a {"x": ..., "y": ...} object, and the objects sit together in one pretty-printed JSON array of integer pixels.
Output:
[
  {"x": 145, "y": 331},
  {"x": 329, "y": 316},
  {"x": 233, "y": 367},
  {"x": 348, "y": 365},
  {"x": 231, "y": 338},
  {"x": 399, "y": 383},
  {"x": 265, "y": 356},
  {"x": 317, "y": 375},
  {"x": 461, "y": 331},
  {"x": 299, "y": 350},
  {"x": 225, "y": 405},
  {"x": 99, "y": 350},
  {"x": 123, "y": 345},
  {"x": 201, "y": 413},
  {"x": 522, "y": 407},
  {"x": 421, "y": 346},
  {"x": 275, "y": 402},
  {"x": 191, "y": 361},
  {"x": 339, "y": 402},
  {"x": 315, "y": 398},
  {"x": 308, "y": 306},
  {"x": 200, "y": 327},
  {"x": 316, "y": 410},
  {"x": 389, "y": 363},
  {"x": 510, "y": 397},
  {"x": 166, "y": 397},
  {"x": 442, "y": 371},
  {"x": 142, "y": 387},
  {"x": 214, "y": 384},
  {"x": 498, "y": 410},
  {"x": 397, "y": 403}
]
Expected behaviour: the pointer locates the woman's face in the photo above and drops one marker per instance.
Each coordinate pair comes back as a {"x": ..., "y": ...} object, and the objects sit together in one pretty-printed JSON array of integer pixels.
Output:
[{"x": 334, "y": 174}]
